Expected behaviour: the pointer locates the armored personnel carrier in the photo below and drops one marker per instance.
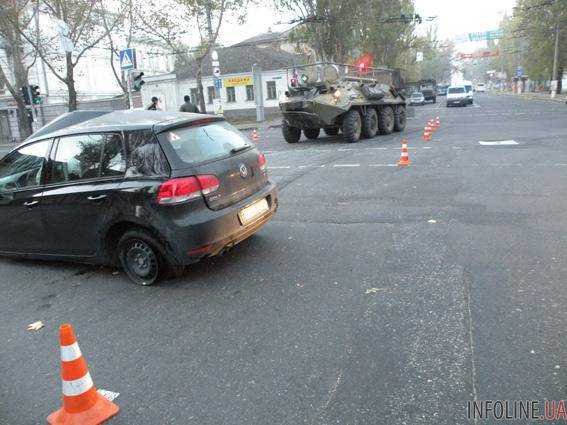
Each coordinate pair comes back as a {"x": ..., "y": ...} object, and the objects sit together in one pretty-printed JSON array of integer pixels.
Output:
[{"x": 359, "y": 102}]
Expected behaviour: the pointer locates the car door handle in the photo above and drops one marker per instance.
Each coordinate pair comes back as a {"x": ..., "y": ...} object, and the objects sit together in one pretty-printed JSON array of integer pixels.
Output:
[
  {"x": 30, "y": 203},
  {"x": 96, "y": 197}
]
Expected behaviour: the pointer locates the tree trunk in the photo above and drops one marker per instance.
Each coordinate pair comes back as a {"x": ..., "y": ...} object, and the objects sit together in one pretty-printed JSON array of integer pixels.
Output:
[
  {"x": 70, "y": 81},
  {"x": 200, "y": 94}
]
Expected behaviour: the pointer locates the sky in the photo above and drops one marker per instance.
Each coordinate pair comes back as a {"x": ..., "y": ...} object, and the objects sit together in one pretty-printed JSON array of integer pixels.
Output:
[{"x": 454, "y": 18}]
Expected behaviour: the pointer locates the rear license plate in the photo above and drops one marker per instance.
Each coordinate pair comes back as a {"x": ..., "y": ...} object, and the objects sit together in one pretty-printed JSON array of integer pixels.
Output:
[{"x": 253, "y": 211}]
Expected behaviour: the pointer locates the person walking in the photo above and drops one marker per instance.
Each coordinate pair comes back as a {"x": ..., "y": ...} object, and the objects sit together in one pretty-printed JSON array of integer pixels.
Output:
[
  {"x": 154, "y": 105},
  {"x": 189, "y": 106}
]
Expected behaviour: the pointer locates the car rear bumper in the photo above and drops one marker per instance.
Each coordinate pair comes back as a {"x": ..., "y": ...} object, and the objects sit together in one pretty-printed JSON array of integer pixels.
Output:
[
  {"x": 216, "y": 231},
  {"x": 457, "y": 102}
]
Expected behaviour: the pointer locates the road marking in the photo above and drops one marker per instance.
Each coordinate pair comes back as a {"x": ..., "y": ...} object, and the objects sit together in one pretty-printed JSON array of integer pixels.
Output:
[
  {"x": 345, "y": 149},
  {"x": 281, "y": 167},
  {"x": 346, "y": 165},
  {"x": 307, "y": 166},
  {"x": 382, "y": 165},
  {"x": 498, "y": 143}
]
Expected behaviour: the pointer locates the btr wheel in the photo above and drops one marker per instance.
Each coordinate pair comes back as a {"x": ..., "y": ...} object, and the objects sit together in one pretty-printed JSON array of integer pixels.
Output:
[
  {"x": 370, "y": 123},
  {"x": 140, "y": 257},
  {"x": 311, "y": 133},
  {"x": 290, "y": 134},
  {"x": 352, "y": 126},
  {"x": 386, "y": 120},
  {"x": 400, "y": 118},
  {"x": 331, "y": 131}
]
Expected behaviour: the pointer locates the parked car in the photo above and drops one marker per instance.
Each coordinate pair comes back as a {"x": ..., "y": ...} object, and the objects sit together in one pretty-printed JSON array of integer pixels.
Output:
[
  {"x": 480, "y": 88},
  {"x": 151, "y": 191},
  {"x": 417, "y": 98},
  {"x": 442, "y": 90},
  {"x": 470, "y": 93},
  {"x": 457, "y": 96}
]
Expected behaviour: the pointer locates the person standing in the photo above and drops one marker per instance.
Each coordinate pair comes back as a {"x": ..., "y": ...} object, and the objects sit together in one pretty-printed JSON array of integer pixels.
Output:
[
  {"x": 189, "y": 106},
  {"x": 154, "y": 105}
]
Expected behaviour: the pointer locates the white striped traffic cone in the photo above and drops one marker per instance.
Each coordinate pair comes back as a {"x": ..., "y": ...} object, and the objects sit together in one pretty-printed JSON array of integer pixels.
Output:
[
  {"x": 82, "y": 404},
  {"x": 404, "y": 158}
]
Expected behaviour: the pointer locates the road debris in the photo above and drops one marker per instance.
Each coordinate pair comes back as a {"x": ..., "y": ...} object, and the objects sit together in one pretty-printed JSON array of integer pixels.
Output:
[
  {"x": 35, "y": 326},
  {"x": 109, "y": 395},
  {"x": 432, "y": 221},
  {"x": 374, "y": 290}
]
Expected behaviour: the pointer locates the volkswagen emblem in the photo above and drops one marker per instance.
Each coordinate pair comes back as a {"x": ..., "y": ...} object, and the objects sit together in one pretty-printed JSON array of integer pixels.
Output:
[{"x": 243, "y": 171}]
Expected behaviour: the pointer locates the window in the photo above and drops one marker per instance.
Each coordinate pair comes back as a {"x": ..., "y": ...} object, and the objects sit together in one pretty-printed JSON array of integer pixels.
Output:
[
  {"x": 22, "y": 169},
  {"x": 194, "y": 96},
  {"x": 249, "y": 93},
  {"x": 88, "y": 156},
  {"x": 210, "y": 94},
  {"x": 145, "y": 158},
  {"x": 271, "y": 87},
  {"x": 230, "y": 94},
  {"x": 204, "y": 142},
  {"x": 454, "y": 90}
]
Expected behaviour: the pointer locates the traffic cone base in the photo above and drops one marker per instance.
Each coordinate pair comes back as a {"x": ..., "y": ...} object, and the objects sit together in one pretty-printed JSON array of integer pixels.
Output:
[
  {"x": 102, "y": 410},
  {"x": 255, "y": 136},
  {"x": 82, "y": 404}
]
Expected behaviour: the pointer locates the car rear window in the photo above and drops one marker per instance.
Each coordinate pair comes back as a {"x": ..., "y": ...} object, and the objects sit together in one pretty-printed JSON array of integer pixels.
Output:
[
  {"x": 456, "y": 90},
  {"x": 201, "y": 143}
]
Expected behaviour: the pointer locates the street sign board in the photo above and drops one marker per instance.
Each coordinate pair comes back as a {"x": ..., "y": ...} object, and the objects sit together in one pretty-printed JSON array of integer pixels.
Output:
[
  {"x": 244, "y": 80},
  {"x": 519, "y": 71},
  {"x": 217, "y": 106},
  {"x": 419, "y": 57},
  {"x": 218, "y": 83},
  {"x": 128, "y": 59}
]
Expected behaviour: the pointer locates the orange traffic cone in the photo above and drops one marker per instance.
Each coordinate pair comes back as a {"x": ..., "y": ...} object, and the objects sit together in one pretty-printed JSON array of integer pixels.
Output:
[
  {"x": 404, "y": 158},
  {"x": 437, "y": 122},
  {"x": 431, "y": 125},
  {"x": 82, "y": 404},
  {"x": 255, "y": 136},
  {"x": 426, "y": 133}
]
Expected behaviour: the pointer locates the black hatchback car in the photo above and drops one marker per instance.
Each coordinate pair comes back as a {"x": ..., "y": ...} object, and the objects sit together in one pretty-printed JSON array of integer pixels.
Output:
[{"x": 153, "y": 191}]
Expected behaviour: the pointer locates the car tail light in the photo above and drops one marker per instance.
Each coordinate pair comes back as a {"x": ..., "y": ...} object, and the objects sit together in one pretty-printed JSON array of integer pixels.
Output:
[
  {"x": 176, "y": 191},
  {"x": 262, "y": 163}
]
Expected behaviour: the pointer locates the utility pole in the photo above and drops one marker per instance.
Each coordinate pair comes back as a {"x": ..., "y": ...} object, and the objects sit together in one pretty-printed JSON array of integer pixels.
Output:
[{"x": 554, "y": 81}]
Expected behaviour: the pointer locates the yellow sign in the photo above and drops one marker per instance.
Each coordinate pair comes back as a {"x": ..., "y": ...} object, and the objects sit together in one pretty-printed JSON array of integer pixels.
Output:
[{"x": 245, "y": 80}]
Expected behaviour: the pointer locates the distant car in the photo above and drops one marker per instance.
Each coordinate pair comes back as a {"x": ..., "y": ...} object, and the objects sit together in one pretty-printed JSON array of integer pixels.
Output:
[
  {"x": 481, "y": 88},
  {"x": 470, "y": 93},
  {"x": 457, "y": 96},
  {"x": 442, "y": 91},
  {"x": 152, "y": 191},
  {"x": 417, "y": 98}
]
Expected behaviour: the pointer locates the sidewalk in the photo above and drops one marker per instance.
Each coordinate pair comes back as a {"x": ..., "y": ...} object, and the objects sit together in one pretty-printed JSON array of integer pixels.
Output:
[
  {"x": 273, "y": 122},
  {"x": 562, "y": 98}
]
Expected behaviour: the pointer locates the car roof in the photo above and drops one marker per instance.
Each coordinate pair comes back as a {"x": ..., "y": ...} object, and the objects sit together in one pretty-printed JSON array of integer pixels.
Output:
[{"x": 126, "y": 120}]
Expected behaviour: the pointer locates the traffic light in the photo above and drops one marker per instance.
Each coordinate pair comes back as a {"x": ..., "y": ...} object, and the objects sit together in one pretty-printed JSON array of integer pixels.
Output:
[
  {"x": 26, "y": 95},
  {"x": 137, "y": 81},
  {"x": 36, "y": 98}
]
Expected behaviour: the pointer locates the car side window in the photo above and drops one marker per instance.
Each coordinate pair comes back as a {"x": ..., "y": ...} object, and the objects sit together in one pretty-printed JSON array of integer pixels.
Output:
[
  {"x": 145, "y": 157},
  {"x": 77, "y": 158},
  {"x": 113, "y": 160},
  {"x": 22, "y": 169}
]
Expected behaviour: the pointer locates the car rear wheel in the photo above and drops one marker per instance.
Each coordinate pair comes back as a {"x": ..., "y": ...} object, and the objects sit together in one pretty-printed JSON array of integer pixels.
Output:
[
  {"x": 311, "y": 133},
  {"x": 386, "y": 120},
  {"x": 331, "y": 131},
  {"x": 370, "y": 123},
  {"x": 290, "y": 134},
  {"x": 141, "y": 258},
  {"x": 352, "y": 126},
  {"x": 400, "y": 118}
]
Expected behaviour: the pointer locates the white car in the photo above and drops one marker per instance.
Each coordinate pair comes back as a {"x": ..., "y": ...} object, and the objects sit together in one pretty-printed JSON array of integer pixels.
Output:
[
  {"x": 470, "y": 93},
  {"x": 457, "y": 96},
  {"x": 481, "y": 88}
]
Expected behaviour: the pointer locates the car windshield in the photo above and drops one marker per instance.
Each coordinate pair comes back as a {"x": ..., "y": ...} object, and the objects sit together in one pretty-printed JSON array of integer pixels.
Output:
[
  {"x": 418, "y": 95},
  {"x": 455, "y": 90},
  {"x": 201, "y": 143},
  {"x": 469, "y": 88}
]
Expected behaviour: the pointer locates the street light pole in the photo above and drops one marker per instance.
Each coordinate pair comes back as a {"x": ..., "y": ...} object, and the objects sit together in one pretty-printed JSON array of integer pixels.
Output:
[{"x": 554, "y": 81}]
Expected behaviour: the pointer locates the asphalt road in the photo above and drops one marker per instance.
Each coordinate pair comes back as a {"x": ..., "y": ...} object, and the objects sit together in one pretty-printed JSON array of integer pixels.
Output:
[{"x": 377, "y": 295}]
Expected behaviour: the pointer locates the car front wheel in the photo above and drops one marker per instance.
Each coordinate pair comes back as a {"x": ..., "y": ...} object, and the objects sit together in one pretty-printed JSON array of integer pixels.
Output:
[{"x": 352, "y": 126}]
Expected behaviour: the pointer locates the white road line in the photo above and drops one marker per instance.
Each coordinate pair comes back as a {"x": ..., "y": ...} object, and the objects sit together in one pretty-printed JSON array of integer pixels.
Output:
[
  {"x": 426, "y": 147},
  {"x": 382, "y": 165},
  {"x": 307, "y": 166},
  {"x": 497, "y": 143},
  {"x": 279, "y": 167},
  {"x": 376, "y": 148},
  {"x": 346, "y": 165},
  {"x": 345, "y": 149}
]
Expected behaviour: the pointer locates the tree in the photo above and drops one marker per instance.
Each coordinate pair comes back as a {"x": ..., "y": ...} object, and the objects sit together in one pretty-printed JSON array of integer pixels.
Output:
[
  {"x": 78, "y": 23},
  {"x": 13, "y": 18}
]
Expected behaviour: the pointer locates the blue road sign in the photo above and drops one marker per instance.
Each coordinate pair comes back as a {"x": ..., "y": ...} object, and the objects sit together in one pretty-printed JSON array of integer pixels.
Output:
[
  {"x": 519, "y": 71},
  {"x": 218, "y": 83},
  {"x": 128, "y": 59}
]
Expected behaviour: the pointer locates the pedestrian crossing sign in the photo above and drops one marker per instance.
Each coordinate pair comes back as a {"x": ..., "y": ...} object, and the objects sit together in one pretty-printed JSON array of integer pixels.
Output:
[{"x": 128, "y": 59}]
